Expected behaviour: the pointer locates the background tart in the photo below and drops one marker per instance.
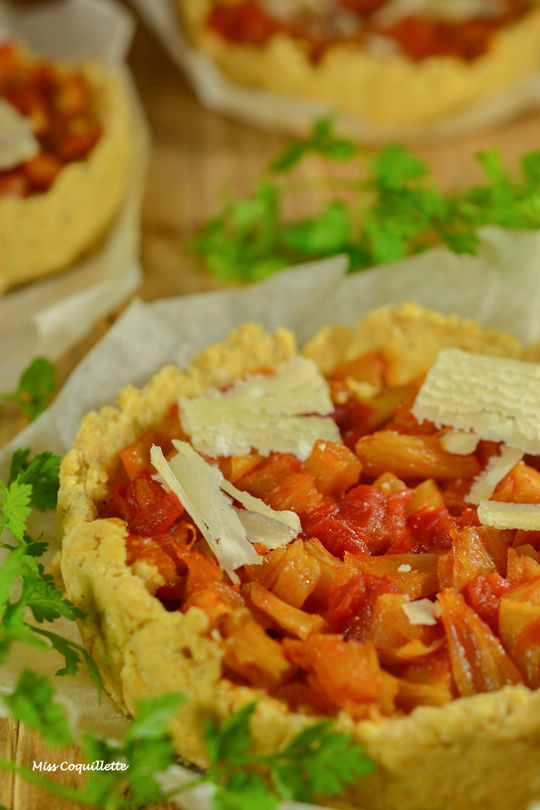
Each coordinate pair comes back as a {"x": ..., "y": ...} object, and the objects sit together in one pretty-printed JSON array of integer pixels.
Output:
[
  {"x": 385, "y": 87},
  {"x": 47, "y": 224},
  {"x": 461, "y": 755}
]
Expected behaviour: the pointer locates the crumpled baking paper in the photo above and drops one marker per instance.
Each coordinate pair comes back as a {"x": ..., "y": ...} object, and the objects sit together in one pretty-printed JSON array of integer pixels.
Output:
[
  {"x": 295, "y": 116},
  {"x": 500, "y": 287},
  {"x": 48, "y": 316}
]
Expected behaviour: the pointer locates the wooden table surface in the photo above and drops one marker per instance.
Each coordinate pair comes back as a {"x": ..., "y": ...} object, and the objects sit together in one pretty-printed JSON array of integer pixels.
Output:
[{"x": 196, "y": 154}]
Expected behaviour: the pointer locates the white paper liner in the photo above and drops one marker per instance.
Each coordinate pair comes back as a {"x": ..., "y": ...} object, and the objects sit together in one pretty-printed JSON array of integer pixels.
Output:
[
  {"x": 499, "y": 288},
  {"x": 49, "y": 316},
  {"x": 295, "y": 115}
]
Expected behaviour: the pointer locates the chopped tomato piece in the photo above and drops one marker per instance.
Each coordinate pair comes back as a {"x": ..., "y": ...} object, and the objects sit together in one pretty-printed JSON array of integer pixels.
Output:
[
  {"x": 235, "y": 467},
  {"x": 522, "y": 569},
  {"x": 521, "y": 485},
  {"x": 333, "y": 467},
  {"x": 353, "y": 420},
  {"x": 297, "y": 493},
  {"x": 270, "y": 474},
  {"x": 297, "y": 575},
  {"x": 347, "y": 672},
  {"x": 156, "y": 509},
  {"x": 477, "y": 551},
  {"x": 479, "y": 661},
  {"x": 413, "y": 574},
  {"x": 136, "y": 456},
  {"x": 484, "y": 593},
  {"x": 359, "y": 625},
  {"x": 255, "y": 657},
  {"x": 365, "y": 521},
  {"x": 519, "y": 621}
]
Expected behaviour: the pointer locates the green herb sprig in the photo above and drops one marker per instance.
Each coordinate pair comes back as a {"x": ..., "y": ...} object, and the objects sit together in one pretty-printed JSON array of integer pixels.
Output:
[
  {"x": 396, "y": 210},
  {"x": 36, "y": 388}
]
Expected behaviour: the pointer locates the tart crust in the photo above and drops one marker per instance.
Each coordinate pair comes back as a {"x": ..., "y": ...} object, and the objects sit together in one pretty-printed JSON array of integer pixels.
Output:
[
  {"x": 384, "y": 89},
  {"x": 474, "y": 752},
  {"x": 43, "y": 233}
]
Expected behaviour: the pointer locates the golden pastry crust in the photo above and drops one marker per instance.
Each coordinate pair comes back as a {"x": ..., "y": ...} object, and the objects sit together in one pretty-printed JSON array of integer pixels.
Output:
[
  {"x": 384, "y": 89},
  {"x": 43, "y": 233},
  {"x": 461, "y": 756}
]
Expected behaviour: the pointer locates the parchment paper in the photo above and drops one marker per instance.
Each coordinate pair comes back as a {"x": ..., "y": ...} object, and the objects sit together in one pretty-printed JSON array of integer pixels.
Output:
[
  {"x": 295, "y": 115},
  {"x": 500, "y": 288},
  {"x": 49, "y": 316}
]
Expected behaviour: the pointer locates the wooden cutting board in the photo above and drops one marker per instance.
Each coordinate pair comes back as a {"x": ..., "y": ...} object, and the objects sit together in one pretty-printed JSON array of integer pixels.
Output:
[{"x": 196, "y": 155}]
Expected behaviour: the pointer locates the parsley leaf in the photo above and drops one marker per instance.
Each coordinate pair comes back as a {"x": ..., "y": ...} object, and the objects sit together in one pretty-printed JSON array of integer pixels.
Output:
[
  {"x": 393, "y": 209},
  {"x": 71, "y": 652},
  {"x": 32, "y": 703},
  {"x": 44, "y": 599},
  {"x": 36, "y": 387},
  {"x": 42, "y": 473},
  {"x": 15, "y": 508}
]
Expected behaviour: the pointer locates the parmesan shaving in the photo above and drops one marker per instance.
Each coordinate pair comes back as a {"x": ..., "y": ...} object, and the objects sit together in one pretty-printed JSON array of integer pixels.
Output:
[
  {"x": 199, "y": 487},
  {"x": 264, "y": 412},
  {"x": 497, "y": 398},
  {"x": 497, "y": 468},
  {"x": 525, "y": 516},
  {"x": 405, "y": 568},
  {"x": 17, "y": 141},
  {"x": 422, "y": 611},
  {"x": 459, "y": 442}
]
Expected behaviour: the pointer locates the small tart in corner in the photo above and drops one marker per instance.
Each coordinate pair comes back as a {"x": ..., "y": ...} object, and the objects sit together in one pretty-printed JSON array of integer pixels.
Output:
[
  {"x": 155, "y": 627},
  {"x": 59, "y": 204},
  {"x": 400, "y": 83}
]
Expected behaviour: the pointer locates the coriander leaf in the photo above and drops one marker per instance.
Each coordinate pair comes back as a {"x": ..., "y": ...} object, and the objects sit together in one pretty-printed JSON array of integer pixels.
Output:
[
  {"x": 530, "y": 166},
  {"x": 42, "y": 473},
  {"x": 317, "y": 762},
  {"x": 36, "y": 387},
  {"x": 231, "y": 740},
  {"x": 461, "y": 242},
  {"x": 19, "y": 463},
  {"x": 44, "y": 599},
  {"x": 322, "y": 141},
  {"x": 71, "y": 652},
  {"x": 245, "y": 791},
  {"x": 394, "y": 165},
  {"x": 32, "y": 703},
  {"x": 325, "y": 235},
  {"x": 35, "y": 548},
  {"x": 15, "y": 508}
]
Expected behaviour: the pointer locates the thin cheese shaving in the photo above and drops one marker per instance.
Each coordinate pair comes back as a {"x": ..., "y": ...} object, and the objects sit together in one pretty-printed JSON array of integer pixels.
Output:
[
  {"x": 265, "y": 412},
  {"x": 422, "y": 611},
  {"x": 497, "y": 468},
  {"x": 525, "y": 516},
  {"x": 199, "y": 487},
  {"x": 17, "y": 141},
  {"x": 459, "y": 442},
  {"x": 497, "y": 398}
]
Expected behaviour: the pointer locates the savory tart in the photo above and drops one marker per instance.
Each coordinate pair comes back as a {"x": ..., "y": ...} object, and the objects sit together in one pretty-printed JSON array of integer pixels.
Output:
[
  {"x": 388, "y": 61},
  {"x": 65, "y": 153},
  {"x": 291, "y": 527}
]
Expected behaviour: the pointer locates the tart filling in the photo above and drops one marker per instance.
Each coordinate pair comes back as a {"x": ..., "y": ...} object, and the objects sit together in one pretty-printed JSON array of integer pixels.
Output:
[
  {"x": 58, "y": 104},
  {"x": 391, "y": 594}
]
